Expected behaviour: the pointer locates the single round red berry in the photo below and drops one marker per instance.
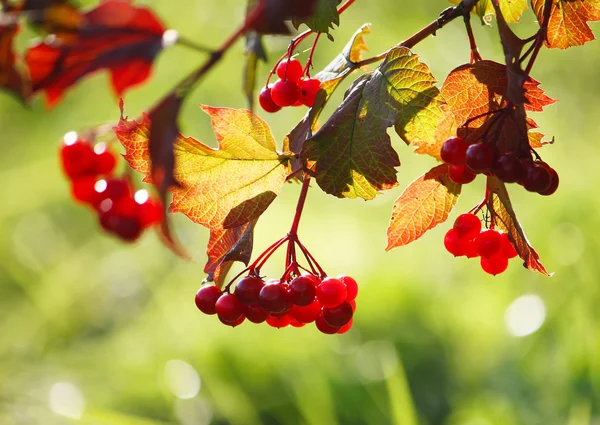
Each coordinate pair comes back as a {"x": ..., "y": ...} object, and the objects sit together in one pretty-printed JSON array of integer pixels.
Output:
[
  {"x": 495, "y": 264},
  {"x": 105, "y": 162},
  {"x": 351, "y": 287},
  {"x": 338, "y": 316},
  {"x": 325, "y": 327},
  {"x": 274, "y": 298},
  {"x": 454, "y": 151},
  {"x": 266, "y": 100},
  {"x": 488, "y": 243},
  {"x": 78, "y": 159},
  {"x": 554, "y": 180},
  {"x": 507, "y": 249},
  {"x": 127, "y": 228},
  {"x": 256, "y": 314},
  {"x": 228, "y": 308},
  {"x": 461, "y": 174},
  {"x": 308, "y": 90},
  {"x": 306, "y": 314},
  {"x": 285, "y": 93},
  {"x": 345, "y": 328},
  {"x": 233, "y": 323},
  {"x": 509, "y": 168},
  {"x": 290, "y": 70},
  {"x": 454, "y": 244},
  {"x": 331, "y": 292},
  {"x": 303, "y": 289},
  {"x": 296, "y": 324},
  {"x": 206, "y": 298},
  {"x": 248, "y": 288},
  {"x": 538, "y": 178},
  {"x": 467, "y": 226},
  {"x": 279, "y": 322},
  {"x": 479, "y": 157}
]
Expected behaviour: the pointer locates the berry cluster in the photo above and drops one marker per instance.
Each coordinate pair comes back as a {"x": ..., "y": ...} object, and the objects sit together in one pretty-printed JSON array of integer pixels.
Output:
[
  {"x": 121, "y": 211},
  {"x": 468, "y": 239},
  {"x": 291, "y": 89},
  {"x": 329, "y": 302},
  {"x": 467, "y": 160}
]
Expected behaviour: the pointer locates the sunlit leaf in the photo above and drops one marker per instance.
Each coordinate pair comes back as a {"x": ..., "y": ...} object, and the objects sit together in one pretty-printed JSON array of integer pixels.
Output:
[
  {"x": 569, "y": 19},
  {"x": 424, "y": 204},
  {"x": 511, "y": 9}
]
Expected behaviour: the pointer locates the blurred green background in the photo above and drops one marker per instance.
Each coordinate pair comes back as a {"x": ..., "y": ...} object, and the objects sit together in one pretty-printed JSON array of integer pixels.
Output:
[{"x": 94, "y": 331}]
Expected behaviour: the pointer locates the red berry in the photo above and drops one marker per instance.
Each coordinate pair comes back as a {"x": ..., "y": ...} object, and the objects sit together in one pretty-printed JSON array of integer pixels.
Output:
[
  {"x": 233, "y": 323},
  {"x": 454, "y": 150},
  {"x": 83, "y": 190},
  {"x": 351, "y": 287},
  {"x": 345, "y": 328},
  {"x": 471, "y": 249},
  {"x": 454, "y": 244},
  {"x": 461, "y": 174},
  {"x": 307, "y": 313},
  {"x": 105, "y": 162},
  {"x": 495, "y": 264},
  {"x": 325, "y": 327},
  {"x": 125, "y": 226},
  {"x": 115, "y": 189},
  {"x": 285, "y": 93},
  {"x": 553, "y": 183},
  {"x": 509, "y": 168},
  {"x": 228, "y": 308},
  {"x": 353, "y": 304},
  {"x": 279, "y": 322},
  {"x": 467, "y": 226},
  {"x": 248, "y": 288},
  {"x": 302, "y": 289},
  {"x": 479, "y": 157},
  {"x": 256, "y": 314},
  {"x": 207, "y": 297},
  {"x": 274, "y": 298},
  {"x": 331, "y": 292},
  {"x": 78, "y": 159},
  {"x": 266, "y": 100},
  {"x": 338, "y": 316},
  {"x": 538, "y": 177},
  {"x": 506, "y": 248},
  {"x": 296, "y": 324},
  {"x": 488, "y": 243},
  {"x": 150, "y": 213},
  {"x": 290, "y": 70},
  {"x": 308, "y": 91}
]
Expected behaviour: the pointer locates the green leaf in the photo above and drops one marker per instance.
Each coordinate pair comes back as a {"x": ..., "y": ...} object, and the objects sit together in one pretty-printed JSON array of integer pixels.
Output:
[
  {"x": 351, "y": 155},
  {"x": 324, "y": 16}
]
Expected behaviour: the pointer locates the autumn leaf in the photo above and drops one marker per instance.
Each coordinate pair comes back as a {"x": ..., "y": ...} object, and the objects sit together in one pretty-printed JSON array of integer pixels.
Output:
[
  {"x": 351, "y": 154},
  {"x": 323, "y": 18},
  {"x": 475, "y": 89},
  {"x": 568, "y": 25},
  {"x": 116, "y": 36},
  {"x": 424, "y": 204},
  {"x": 506, "y": 220},
  {"x": 219, "y": 188},
  {"x": 225, "y": 247},
  {"x": 511, "y": 9},
  {"x": 10, "y": 79}
]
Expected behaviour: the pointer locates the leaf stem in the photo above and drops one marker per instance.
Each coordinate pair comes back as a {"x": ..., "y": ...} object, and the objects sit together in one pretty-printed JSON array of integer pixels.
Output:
[{"x": 541, "y": 36}]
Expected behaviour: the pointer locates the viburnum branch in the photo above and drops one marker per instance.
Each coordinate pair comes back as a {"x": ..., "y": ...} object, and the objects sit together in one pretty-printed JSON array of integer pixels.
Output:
[
  {"x": 475, "y": 56},
  {"x": 541, "y": 35}
]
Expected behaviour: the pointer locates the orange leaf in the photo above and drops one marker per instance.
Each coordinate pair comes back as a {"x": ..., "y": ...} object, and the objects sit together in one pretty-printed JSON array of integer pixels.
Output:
[
  {"x": 506, "y": 219},
  {"x": 569, "y": 19},
  {"x": 423, "y": 205}
]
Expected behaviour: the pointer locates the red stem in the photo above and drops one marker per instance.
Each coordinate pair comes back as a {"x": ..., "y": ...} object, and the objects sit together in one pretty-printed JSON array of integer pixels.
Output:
[
  {"x": 310, "y": 57},
  {"x": 475, "y": 56},
  {"x": 299, "y": 207}
]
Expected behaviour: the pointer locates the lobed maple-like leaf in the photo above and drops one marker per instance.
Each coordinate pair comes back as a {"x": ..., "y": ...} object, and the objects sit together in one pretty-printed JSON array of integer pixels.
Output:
[
  {"x": 511, "y": 9},
  {"x": 424, "y": 204},
  {"x": 351, "y": 155},
  {"x": 323, "y": 18},
  {"x": 226, "y": 246},
  {"x": 10, "y": 79},
  {"x": 568, "y": 25},
  {"x": 116, "y": 35},
  {"x": 506, "y": 219},
  {"x": 475, "y": 89},
  {"x": 219, "y": 188}
]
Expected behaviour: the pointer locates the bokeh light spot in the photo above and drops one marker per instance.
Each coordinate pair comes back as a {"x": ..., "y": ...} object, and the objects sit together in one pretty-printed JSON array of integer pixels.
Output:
[
  {"x": 525, "y": 315},
  {"x": 65, "y": 399},
  {"x": 182, "y": 379}
]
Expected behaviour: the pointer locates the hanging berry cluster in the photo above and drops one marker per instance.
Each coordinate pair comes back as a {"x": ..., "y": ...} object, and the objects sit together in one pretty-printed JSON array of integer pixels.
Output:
[
  {"x": 467, "y": 160},
  {"x": 291, "y": 89},
  {"x": 121, "y": 210},
  {"x": 466, "y": 238}
]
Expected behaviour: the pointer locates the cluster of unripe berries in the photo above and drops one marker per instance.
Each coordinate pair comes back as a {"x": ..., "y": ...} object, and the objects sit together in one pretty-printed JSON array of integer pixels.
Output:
[
  {"x": 121, "y": 210},
  {"x": 467, "y": 238},
  {"x": 329, "y": 303},
  {"x": 291, "y": 89},
  {"x": 467, "y": 160}
]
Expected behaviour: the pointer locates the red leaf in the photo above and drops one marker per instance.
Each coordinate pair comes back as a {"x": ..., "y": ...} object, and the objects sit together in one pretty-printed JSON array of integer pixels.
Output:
[
  {"x": 10, "y": 79},
  {"x": 116, "y": 36},
  {"x": 506, "y": 219},
  {"x": 225, "y": 247}
]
